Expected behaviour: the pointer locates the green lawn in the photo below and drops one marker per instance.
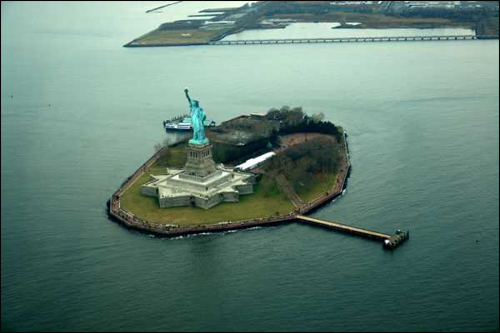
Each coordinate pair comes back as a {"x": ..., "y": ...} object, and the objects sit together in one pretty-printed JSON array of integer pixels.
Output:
[
  {"x": 321, "y": 184},
  {"x": 250, "y": 206},
  {"x": 175, "y": 158},
  {"x": 267, "y": 199},
  {"x": 166, "y": 37}
]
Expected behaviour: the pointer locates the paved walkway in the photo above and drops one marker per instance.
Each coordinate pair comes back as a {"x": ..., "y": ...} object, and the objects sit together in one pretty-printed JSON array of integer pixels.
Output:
[
  {"x": 290, "y": 192},
  {"x": 346, "y": 228}
]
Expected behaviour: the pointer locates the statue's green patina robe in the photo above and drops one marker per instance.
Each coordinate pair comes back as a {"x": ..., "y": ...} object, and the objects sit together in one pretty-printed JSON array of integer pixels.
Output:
[{"x": 198, "y": 117}]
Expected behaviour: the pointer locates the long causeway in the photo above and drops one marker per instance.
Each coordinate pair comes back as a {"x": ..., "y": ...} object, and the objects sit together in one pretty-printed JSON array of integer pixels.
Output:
[{"x": 341, "y": 40}]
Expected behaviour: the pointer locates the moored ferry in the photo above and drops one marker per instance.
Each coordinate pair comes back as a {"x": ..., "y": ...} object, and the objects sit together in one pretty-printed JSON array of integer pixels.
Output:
[{"x": 183, "y": 123}]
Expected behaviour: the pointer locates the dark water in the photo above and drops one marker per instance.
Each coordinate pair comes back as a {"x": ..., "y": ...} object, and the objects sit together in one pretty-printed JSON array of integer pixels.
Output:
[{"x": 422, "y": 119}]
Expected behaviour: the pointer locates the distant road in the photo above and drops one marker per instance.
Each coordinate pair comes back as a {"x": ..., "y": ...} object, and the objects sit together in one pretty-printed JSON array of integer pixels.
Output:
[{"x": 170, "y": 4}]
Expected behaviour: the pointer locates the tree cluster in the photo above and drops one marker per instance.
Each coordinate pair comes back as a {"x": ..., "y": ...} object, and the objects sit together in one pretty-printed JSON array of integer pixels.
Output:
[
  {"x": 302, "y": 162},
  {"x": 294, "y": 120}
]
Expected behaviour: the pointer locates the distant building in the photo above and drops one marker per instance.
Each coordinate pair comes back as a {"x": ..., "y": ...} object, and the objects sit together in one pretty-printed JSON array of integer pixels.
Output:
[
  {"x": 219, "y": 22},
  {"x": 217, "y": 25},
  {"x": 432, "y": 4},
  {"x": 355, "y": 3}
]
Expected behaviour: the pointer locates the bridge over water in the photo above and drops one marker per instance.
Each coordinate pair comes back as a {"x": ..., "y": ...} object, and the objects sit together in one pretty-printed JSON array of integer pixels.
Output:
[{"x": 342, "y": 40}]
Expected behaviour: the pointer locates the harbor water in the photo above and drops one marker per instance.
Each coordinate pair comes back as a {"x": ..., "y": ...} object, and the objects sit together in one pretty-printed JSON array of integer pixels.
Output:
[{"x": 80, "y": 113}]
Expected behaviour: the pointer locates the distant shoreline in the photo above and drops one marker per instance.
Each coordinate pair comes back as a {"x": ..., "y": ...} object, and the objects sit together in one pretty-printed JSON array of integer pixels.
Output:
[
  {"x": 273, "y": 15},
  {"x": 322, "y": 40}
]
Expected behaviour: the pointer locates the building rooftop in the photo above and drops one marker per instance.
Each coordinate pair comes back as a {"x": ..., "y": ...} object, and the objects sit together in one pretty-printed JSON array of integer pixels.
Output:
[{"x": 254, "y": 162}]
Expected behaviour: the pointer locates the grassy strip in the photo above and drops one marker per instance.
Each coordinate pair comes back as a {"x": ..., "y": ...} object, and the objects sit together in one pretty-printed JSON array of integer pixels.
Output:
[
  {"x": 176, "y": 37},
  {"x": 318, "y": 187}
]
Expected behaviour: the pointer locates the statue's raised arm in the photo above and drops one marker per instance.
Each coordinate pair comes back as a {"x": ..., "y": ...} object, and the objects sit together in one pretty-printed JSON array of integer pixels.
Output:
[{"x": 187, "y": 96}]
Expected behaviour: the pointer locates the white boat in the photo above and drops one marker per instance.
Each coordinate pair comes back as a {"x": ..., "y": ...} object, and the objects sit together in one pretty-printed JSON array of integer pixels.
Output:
[{"x": 183, "y": 124}]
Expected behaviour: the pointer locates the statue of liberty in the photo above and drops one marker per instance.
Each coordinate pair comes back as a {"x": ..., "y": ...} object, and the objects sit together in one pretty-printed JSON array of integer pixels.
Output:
[{"x": 197, "y": 121}]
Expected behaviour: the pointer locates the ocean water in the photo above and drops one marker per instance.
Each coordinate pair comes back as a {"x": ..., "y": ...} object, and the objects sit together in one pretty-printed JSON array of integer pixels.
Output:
[{"x": 79, "y": 113}]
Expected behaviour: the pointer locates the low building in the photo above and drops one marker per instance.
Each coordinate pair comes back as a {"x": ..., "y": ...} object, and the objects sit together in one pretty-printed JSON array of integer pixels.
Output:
[
  {"x": 432, "y": 4},
  {"x": 254, "y": 162}
]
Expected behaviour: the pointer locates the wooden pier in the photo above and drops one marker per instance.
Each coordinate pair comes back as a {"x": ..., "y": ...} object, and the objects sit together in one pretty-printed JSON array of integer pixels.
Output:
[
  {"x": 390, "y": 241},
  {"x": 345, "y": 228},
  {"x": 342, "y": 40}
]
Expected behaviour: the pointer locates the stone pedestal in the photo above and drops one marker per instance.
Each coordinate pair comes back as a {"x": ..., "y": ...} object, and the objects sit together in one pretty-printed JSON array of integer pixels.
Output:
[
  {"x": 199, "y": 161},
  {"x": 200, "y": 183}
]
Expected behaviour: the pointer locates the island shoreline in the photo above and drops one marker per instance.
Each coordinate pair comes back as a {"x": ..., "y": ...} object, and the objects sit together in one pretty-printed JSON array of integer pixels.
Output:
[{"x": 123, "y": 217}]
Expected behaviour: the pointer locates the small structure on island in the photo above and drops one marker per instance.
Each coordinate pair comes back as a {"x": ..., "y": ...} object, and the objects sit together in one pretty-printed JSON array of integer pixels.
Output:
[{"x": 201, "y": 182}]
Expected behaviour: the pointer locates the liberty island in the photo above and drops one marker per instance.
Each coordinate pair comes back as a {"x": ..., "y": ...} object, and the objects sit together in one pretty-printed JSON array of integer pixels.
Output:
[{"x": 260, "y": 191}]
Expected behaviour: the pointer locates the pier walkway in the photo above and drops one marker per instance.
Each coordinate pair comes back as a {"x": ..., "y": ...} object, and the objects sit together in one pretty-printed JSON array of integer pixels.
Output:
[
  {"x": 341, "y": 40},
  {"x": 345, "y": 228},
  {"x": 290, "y": 192},
  {"x": 389, "y": 241}
]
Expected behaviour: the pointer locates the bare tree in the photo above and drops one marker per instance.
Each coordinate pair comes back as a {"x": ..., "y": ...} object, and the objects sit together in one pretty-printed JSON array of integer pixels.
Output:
[{"x": 317, "y": 117}]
